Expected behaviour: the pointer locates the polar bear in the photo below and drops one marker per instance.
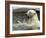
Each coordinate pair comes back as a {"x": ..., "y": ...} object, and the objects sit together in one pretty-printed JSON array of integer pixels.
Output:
[{"x": 33, "y": 19}]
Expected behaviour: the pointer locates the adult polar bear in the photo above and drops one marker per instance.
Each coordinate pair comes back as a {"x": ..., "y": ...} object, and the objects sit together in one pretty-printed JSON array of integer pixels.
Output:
[{"x": 32, "y": 21}]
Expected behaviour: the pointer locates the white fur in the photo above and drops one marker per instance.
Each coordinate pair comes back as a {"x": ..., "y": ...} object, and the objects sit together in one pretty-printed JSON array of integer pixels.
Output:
[{"x": 34, "y": 20}]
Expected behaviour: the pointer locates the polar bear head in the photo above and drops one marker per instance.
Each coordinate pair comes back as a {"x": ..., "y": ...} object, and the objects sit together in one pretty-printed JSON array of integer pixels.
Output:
[{"x": 30, "y": 13}]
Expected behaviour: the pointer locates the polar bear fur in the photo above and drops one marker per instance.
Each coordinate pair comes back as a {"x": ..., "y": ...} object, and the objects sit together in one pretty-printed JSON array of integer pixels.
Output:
[{"x": 33, "y": 18}]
